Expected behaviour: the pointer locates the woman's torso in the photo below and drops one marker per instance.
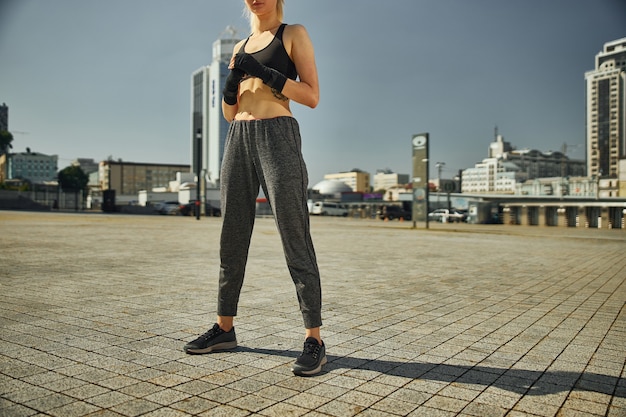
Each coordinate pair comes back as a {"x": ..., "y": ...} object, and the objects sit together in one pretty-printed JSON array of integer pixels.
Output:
[{"x": 257, "y": 100}]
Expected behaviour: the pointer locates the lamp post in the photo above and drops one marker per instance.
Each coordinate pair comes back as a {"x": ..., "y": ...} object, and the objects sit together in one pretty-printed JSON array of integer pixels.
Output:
[
  {"x": 198, "y": 170},
  {"x": 426, "y": 162},
  {"x": 439, "y": 166}
]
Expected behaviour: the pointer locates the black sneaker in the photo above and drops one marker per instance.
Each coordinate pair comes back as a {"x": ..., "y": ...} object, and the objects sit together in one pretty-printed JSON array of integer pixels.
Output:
[
  {"x": 213, "y": 340},
  {"x": 312, "y": 358}
]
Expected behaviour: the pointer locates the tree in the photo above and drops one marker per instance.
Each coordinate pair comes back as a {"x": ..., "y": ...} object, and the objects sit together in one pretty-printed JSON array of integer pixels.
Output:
[
  {"x": 73, "y": 178},
  {"x": 5, "y": 142}
]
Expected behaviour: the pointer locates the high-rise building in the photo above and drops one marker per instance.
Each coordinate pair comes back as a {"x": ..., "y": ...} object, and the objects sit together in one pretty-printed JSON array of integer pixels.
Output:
[
  {"x": 4, "y": 118},
  {"x": 207, "y": 120},
  {"x": 606, "y": 113}
]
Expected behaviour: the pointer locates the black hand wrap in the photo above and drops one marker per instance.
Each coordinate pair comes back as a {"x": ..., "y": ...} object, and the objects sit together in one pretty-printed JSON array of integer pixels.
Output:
[
  {"x": 251, "y": 66},
  {"x": 231, "y": 87}
]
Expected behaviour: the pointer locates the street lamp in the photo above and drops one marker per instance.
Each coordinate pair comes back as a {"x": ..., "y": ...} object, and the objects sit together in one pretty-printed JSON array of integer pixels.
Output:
[{"x": 198, "y": 170}]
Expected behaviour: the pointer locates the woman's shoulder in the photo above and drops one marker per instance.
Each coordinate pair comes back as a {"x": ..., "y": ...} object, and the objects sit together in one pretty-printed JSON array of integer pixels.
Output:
[
  {"x": 295, "y": 30},
  {"x": 239, "y": 44},
  {"x": 295, "y": 33}
]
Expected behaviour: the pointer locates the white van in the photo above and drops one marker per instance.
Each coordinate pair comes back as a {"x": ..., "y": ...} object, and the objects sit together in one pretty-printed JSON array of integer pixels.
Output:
[{"x": 322, "y": 208}]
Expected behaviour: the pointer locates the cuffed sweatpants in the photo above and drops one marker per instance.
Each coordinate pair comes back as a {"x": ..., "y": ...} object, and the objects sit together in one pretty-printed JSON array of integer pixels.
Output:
[{"x": 266, "y": 153}]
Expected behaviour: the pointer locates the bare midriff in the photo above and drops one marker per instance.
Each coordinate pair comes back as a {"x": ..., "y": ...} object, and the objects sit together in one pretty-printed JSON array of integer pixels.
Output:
[{"x": 258, "y": 101}]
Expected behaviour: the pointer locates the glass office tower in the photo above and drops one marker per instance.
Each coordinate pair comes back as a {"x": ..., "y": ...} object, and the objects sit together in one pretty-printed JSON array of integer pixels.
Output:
[{"x": 207, "y": 121}]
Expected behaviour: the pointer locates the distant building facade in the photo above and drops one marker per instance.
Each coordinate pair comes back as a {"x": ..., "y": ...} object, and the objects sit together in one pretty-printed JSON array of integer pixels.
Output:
[
  {"x": 356, "y": 179},
  {"x": 491, "y": 176},
  {"x": 88, "y": 165},
  {"x": 622, "y": 178},
  {"x": 207, "y": 119},
  {"x": 507, "y": 167},
  {"x": 582, "y": 187},
  {"x": 34, "y": 167},
  {"x": 537, "y": 164},
  {"x": 4, "y": 163},
  {"x": 128, "y": 178},
  {"x": 606, "y": 113},
  {"x": 385, "y": 180}
]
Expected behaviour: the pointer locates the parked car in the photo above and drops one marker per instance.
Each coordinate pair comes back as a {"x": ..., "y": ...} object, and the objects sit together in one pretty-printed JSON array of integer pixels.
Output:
[
  {"x": 447, "y": 216},
  {"x": 393, "y": 212},
  {"x": 323, "y": 208},
  {"x": 463, "y": 215},
  {"x": 189, "y": 209},
  {"x": 167, "y": 207}
]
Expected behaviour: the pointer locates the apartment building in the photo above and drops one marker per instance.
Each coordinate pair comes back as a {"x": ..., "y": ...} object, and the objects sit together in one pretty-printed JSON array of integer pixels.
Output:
[
  {"x": 356, "y": 179},
  {"x": 606, "y": 113}
]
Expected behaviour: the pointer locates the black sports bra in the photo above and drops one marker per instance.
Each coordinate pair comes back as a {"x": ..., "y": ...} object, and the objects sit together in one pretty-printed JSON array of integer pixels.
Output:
[{"x": 275, "y": 56}]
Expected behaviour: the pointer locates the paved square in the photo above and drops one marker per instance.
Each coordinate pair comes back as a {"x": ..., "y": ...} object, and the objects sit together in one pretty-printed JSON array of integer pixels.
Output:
[{"x": 457, "y": 320}]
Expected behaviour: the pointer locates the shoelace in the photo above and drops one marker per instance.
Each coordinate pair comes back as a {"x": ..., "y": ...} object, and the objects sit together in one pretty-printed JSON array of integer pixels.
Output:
[
  {"x": 212, "y": 332},
  {"x": 312, "y": 349}
]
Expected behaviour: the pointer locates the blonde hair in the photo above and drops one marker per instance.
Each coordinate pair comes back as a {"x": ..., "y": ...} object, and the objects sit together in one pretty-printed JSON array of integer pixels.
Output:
[{"x": 254, "y": 21}]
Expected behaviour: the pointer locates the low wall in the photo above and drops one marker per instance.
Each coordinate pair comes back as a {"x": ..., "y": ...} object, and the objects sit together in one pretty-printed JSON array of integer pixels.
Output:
[{"x": 589, "y": 215}]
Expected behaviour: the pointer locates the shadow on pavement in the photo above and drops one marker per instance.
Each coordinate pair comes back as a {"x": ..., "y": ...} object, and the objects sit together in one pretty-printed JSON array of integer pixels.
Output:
[{"x": 520, "y": 381}]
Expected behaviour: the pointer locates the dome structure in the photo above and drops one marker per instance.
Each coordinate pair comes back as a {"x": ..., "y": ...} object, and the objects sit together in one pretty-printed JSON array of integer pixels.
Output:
[{"x": 331, "y": 187}]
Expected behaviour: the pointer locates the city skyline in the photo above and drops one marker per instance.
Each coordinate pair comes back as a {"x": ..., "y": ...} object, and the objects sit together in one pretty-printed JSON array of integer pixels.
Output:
[{"x": 81, "y": 87}]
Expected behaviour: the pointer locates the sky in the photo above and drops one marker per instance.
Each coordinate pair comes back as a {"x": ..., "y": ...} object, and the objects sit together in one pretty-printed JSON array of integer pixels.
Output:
[{"x": 99, "y": 79}]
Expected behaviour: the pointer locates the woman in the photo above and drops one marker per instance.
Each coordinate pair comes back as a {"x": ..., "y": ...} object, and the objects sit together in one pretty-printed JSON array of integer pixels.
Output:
[{"x": 274, "y": 65}]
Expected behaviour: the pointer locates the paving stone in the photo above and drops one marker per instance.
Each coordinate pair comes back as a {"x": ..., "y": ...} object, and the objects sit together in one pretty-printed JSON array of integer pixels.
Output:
[
  {"x": 194, "y": 405},
  {"x": 95, "y": 309}
]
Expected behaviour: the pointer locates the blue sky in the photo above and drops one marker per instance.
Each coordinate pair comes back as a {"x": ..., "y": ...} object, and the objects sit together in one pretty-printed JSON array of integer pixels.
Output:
[{"x": 93, "y": 78}]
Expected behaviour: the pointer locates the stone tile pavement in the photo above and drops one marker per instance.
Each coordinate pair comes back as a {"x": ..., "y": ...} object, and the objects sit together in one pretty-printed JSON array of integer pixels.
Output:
[{"x": 457, "y": 320}]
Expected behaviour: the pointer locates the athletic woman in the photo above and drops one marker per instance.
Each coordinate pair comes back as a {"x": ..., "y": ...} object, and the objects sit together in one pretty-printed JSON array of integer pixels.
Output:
[{"x": 272, "y": 67}]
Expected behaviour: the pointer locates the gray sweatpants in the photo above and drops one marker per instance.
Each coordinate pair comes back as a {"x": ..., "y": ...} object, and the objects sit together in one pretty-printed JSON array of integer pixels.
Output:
[{"x": 266, "y": 153}]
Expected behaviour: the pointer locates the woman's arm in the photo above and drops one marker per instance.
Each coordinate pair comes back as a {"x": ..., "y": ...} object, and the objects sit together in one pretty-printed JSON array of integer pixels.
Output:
[
  {"x": 306, "y": 91},
  {"x": 230, "y": 110}
]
